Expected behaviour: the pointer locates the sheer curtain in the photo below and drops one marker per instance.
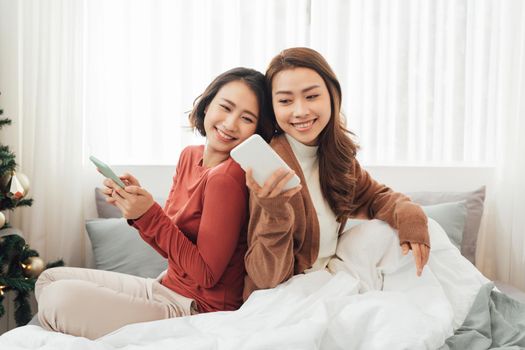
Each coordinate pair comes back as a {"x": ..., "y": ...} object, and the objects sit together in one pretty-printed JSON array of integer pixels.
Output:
[
  {"x": 48, "y": 116},
  {"x": 414, "y": 75},
  {"x": 503, "y": 235},
  {"x": 148, "y": 60}
]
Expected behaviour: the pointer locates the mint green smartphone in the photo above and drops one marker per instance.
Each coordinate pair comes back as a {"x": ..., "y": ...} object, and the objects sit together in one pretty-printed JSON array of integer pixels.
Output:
[{"x": 106, "y": 171}]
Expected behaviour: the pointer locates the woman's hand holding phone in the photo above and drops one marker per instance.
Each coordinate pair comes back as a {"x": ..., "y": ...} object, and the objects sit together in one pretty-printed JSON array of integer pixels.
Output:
[
  {"x": 273, "y": 186},
  {"x": 127, "y": 179},
  {"x": 133, "y": 201}
]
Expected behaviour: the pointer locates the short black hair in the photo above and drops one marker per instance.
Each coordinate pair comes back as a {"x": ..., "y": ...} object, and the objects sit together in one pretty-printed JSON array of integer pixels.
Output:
[{"x": 254, "y": 80}]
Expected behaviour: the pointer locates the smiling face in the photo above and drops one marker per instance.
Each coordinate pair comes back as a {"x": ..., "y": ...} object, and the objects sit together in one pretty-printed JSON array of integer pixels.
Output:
[
  {"x": 230, "y": 118},
  {"x": 301, "y": 103}
]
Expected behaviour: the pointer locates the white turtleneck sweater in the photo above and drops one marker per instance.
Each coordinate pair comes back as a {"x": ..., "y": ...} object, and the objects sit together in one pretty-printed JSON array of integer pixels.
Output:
[{"x": 328, "y": 225}]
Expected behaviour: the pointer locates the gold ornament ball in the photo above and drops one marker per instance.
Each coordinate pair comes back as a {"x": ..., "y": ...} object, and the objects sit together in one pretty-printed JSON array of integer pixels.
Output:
[{"x": 33, "y": 266}]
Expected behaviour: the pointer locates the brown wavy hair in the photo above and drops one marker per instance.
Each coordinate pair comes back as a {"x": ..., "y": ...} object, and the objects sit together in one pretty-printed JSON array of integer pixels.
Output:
[{"x": 337, "y": 150}]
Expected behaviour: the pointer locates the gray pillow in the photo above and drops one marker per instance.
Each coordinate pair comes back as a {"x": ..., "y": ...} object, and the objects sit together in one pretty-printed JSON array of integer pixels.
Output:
[
  {"x": 450, "y": 216},
  {"x": 104, "y": 209},
  {"x": 118, "y": 247},
  {"x": 474, "y": 203}
]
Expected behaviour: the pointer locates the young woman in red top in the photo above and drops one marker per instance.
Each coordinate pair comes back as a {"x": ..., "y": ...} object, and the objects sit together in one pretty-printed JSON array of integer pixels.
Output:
[{"x": 201, "y": 230}]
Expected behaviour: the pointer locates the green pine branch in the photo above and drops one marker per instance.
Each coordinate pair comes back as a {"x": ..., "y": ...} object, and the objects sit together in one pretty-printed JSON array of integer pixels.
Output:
[
  {"x": 7, "y": 203},
  {"x": 18, "y": 283},
  {"x": 7, "y": 161},
  {"x": 5, "y": 121},
  {"x": 27, "y": 253},
  {"x": 22, "y": 308},
  {"x": 55, "y": 264},
  {"x": 25, "y": 202},
  {"x": 10, "y": 246}
]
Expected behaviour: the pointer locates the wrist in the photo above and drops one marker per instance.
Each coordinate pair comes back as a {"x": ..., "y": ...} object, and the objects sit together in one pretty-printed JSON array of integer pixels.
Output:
[
  {"x": 138, "y": 215},
  {"x": 144, "y": 216},
  {"x": 276, "y": 206}
]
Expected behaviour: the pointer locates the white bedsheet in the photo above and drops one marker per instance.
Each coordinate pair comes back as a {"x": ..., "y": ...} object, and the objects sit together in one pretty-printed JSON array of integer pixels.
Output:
[{"x": 318, "y": 310}]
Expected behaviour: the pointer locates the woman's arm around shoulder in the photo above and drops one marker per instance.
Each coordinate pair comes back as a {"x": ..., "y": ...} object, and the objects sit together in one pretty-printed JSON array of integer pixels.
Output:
[
  {"x": 375, "y": 200},
  {"x": 378, "y": 201}
]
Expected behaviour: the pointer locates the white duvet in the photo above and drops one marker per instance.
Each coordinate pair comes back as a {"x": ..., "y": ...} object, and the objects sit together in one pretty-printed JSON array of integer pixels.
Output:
[{"x": 318, "y": 310}]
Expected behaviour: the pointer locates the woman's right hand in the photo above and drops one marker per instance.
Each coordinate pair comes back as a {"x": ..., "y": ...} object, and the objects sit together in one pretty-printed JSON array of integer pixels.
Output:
[
  {"x": 273, "y": 187},
  {"x": 127, "y": 178}
]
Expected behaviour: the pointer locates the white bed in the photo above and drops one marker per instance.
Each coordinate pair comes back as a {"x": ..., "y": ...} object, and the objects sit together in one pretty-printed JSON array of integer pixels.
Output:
[{"x": 312, "y": 311}]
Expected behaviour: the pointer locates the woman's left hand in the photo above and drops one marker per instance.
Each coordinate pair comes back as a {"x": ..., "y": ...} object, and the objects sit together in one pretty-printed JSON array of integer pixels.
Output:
[
  {"x": 421, "y": 254},
  {"x": 133, "y": 201}
]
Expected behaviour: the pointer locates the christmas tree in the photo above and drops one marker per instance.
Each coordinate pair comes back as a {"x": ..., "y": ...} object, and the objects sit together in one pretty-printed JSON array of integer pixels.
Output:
[{"x": 19, "y": 265}]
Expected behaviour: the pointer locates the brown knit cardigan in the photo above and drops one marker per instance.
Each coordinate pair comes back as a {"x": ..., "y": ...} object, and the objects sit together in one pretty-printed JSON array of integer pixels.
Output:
[{"x": 283, "y": 233}]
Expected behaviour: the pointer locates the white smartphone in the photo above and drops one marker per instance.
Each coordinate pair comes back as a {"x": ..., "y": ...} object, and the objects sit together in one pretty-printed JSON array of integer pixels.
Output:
[
  {"x": 106, "y": 171},
  {"x": 255, "y": 153}
]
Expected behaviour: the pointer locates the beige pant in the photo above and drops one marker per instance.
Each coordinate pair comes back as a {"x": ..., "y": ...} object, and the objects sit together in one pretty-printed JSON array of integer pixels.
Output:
[{"x": 92, "y": 303}]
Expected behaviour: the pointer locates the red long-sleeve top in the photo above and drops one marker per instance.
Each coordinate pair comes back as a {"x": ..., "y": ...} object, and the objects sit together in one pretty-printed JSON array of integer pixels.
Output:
[{"x": 202, "y": 231}]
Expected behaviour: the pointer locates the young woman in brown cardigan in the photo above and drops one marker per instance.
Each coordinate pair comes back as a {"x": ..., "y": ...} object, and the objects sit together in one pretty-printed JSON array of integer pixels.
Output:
[{"x": 296, "y": 231}]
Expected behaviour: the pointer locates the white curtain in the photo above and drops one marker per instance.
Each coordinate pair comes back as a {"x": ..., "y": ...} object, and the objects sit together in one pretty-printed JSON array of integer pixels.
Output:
[
  {"x": 48, "y": 113},
  {"x": 414, "y": 75},
  {"x": 146, "y": 62},
  {"x": 503, "y": 236}
]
